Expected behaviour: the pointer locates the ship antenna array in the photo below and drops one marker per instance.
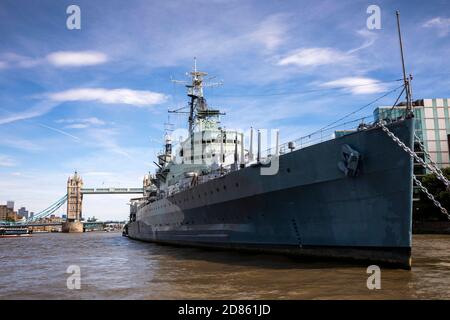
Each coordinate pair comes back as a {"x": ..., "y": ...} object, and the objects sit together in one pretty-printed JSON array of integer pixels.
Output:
[
  {"x": 168, "y": 126},
  {"x": 195, "y": 92}
]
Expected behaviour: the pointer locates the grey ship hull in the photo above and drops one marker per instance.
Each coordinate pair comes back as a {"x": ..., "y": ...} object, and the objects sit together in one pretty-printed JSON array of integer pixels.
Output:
[{"x": 309, "y": 208}]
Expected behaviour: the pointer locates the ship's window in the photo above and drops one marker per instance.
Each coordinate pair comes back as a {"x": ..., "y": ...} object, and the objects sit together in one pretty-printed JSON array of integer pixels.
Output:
[
  {"x": 237, "y": 184},
  {"x": 224, "y": 187},
  {"x": 288, "y": 170},
  {"x": 218, "y": 189}
]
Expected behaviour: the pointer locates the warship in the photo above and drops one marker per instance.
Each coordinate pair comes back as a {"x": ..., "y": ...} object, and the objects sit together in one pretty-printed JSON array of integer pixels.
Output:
[{"x": 348, "y": 197}]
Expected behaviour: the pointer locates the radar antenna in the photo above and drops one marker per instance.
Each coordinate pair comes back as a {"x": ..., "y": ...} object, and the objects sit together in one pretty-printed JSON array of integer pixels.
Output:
[{"x": 198, "y": 108}]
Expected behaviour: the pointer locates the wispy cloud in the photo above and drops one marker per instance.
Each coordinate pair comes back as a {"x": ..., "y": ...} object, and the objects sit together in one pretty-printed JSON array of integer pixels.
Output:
[
  {"x": 18, "y": 143},
  {"x": 36, "y": 111},
  {"x": 11, "y": 59},
  {"x": 76, "y": 58},
  {"x": 56, "y": 59},
  {"x": 81, "y": 123},
  {"x": 138, "y": 98},
  {"x": 356, "y": 85},
  {"x": 312, "y": 57},
  {"x": 369, "y": 39},
  {"x": 271, "y": 32},
  {"x": 106, "y": 138},
  {"x": 77, "y": 126},
  {"x": 91, "y": 120},
  {"x": 440, "y": 23},
  {"x": 6, "y": 161}
]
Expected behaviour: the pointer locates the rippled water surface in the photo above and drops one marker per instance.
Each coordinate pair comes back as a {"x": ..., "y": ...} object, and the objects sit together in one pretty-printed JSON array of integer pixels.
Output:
[{"x": 114, "y": 267}]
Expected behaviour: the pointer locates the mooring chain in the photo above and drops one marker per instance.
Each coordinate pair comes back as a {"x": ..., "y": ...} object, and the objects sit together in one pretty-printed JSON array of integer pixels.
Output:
[
  {"x": 430, "y": 196},
  {"x": 432, "y": 163},
  {"x": 436, "y": 171}
]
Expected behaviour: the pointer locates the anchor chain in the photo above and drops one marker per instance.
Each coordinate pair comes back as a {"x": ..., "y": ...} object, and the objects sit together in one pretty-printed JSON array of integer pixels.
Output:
[
  {"x": 433, "y": 168},
  {"x": 430, "y": 196},
  {"x": 430, "y": 160}
]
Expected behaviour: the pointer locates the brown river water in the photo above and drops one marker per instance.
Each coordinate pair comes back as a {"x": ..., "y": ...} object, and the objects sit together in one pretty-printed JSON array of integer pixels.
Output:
[{"x": 115, "y": 267}]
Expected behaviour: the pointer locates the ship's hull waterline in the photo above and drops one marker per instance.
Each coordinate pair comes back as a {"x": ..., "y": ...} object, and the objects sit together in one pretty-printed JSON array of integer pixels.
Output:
[{"x": 310, "y": 207}]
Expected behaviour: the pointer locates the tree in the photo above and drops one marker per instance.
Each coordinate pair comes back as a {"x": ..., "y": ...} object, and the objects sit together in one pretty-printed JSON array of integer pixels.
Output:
[{"x": 424, "y": 209}]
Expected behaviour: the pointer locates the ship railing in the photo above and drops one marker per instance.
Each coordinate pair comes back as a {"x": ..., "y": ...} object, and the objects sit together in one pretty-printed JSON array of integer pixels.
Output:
[{"x": 318, "y": 136}]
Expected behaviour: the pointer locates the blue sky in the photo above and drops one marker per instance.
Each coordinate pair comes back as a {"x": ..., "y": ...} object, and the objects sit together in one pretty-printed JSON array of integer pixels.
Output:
[{"x": 95, "y": 99}]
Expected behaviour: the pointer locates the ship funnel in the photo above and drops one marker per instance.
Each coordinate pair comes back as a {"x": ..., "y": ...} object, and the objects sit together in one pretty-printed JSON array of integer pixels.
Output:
[
  {"x": 277, "y": 142},
  {"x": 222, "y": 158},
  {"x": 250, "y": 150},
  {"x": 242, "y": 151},
  {"x": 258, "y": 157}
]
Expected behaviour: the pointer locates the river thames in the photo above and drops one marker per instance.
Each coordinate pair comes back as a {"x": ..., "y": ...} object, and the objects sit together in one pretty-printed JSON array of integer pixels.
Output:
[{"x": 115, "y": 267}]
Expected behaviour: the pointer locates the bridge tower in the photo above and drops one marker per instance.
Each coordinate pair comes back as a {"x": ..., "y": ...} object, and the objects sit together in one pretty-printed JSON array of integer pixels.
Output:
[{"x": 74, "y": 204}]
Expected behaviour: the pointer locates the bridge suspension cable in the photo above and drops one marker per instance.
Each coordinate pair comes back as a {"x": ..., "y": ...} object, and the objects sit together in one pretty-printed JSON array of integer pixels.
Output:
[{"x": 48, "y": 211}]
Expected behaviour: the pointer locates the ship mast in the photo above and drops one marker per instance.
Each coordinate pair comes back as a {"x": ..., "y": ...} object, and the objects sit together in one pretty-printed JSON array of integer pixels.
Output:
[
  {"x": 406, "y": 80},
  {"x": 198, "y": 107}
]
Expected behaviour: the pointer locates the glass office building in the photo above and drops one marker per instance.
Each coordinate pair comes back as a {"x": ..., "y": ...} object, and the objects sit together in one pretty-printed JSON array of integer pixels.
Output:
[{"x": 432, "y": 126}]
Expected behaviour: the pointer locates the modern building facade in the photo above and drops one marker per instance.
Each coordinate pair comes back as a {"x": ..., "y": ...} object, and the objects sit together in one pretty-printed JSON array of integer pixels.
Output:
[
  {"x": 23, "y": 212},
  {"x": 7, "y": 214},
  {"x": 432, "y": 126},
  {"x": 10, "y": 204}
]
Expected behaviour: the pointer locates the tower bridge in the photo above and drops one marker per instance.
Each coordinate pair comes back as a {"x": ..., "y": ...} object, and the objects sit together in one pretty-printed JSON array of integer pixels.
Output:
[
  {"x": 74, "y": 200},
  {"x": 75, "y": 192}
]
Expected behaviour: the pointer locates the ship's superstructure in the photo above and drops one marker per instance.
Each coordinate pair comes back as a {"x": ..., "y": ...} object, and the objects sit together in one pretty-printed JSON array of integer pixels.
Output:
[{"x": 208, "y": 151}]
